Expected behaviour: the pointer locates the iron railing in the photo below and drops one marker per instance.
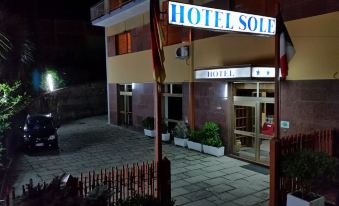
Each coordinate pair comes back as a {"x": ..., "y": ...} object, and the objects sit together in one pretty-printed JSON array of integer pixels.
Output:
[{"x": 105, "y": 7}]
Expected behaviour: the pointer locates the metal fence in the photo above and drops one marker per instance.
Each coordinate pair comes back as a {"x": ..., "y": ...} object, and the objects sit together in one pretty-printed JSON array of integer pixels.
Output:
[
  {"x": 121, "y": 183},
  {"x": 321, "y": 141}
]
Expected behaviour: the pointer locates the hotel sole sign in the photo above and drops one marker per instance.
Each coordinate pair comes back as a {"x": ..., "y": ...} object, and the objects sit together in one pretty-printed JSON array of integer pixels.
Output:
[{"x": 216, "y": 19}]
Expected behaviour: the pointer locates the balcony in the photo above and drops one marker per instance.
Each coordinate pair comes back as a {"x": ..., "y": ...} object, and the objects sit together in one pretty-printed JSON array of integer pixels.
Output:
[{"x": 111, "y": 12}]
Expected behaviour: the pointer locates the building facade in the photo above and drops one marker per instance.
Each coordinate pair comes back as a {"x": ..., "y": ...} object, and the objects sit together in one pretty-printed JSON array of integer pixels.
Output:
[{"x": 197, "y": 88}]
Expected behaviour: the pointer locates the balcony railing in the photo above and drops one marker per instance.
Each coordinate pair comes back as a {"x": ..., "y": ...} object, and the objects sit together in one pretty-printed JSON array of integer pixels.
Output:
[
  {"x": 98, "y": 10},
  {"x": 105, "y": 7}
]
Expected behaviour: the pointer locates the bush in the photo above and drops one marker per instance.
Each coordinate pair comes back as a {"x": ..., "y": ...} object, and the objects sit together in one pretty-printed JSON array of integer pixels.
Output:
[
  {"x": 310, "y": 168},
  {"x": 164, "y": 127},
  {"x": 211, "y": 132},
  {"x": 197, "y": 136},
  {"x": 148, "y": 123},
  {"x": 181, "y": 130}
]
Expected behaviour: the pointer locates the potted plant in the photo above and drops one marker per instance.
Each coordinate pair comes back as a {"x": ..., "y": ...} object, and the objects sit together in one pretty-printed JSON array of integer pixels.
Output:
[
  {"x": 181, "y": 131},
  {"x": 309, "y": 169},
  {"x": 165, "y": 135},
  {"x": 212, "y": 143},
  {"x": 195, "y": 139},
  {"x": 148, "y": 124}
]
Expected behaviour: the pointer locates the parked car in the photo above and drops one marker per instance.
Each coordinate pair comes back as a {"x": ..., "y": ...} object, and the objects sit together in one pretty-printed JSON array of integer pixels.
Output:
[{"x": 40, "y": 131}]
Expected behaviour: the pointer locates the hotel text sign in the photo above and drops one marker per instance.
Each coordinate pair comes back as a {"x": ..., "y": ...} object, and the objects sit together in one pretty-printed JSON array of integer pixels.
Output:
[
  {"x": 233, "y": 73},
  {"x": 216, "y": 19}
]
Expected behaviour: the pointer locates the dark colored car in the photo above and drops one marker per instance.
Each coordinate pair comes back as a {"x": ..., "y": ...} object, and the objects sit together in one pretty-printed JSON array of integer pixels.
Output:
[{"x": 40, "y": 131}]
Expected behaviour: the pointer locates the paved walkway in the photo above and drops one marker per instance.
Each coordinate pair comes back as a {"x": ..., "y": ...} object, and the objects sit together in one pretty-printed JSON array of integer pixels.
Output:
[{"x": 197, "y": 179}]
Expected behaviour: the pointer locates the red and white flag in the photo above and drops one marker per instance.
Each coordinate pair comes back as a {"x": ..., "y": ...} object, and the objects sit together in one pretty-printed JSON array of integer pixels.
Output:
[
  {"x": 159, "y": 73},
  {"x": 287, "y": 50}
]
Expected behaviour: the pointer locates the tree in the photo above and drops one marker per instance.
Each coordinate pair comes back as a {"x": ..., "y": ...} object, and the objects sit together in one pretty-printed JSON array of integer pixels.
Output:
[
  {"x": 11, "y": 102},
  {"x": 16, "y": 46}
]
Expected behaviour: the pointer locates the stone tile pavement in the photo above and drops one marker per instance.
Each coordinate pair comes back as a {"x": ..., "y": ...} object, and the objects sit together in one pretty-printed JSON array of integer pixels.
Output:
[{"x": 197, "y": 179}]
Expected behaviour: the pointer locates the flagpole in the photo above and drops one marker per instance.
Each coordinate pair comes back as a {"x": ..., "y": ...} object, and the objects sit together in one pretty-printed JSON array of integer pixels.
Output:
[
  {"x": 158, "y": 115},
  {"x": 274, "y": 143}
]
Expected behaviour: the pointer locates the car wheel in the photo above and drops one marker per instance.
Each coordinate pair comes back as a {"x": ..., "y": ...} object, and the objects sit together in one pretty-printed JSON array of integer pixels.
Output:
[{"x": 55, "y": 145}]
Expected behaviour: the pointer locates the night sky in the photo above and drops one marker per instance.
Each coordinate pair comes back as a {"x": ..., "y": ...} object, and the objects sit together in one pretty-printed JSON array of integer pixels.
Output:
[
  {"x": 64, "y": 9},
  {"x": 82, "y": 64}
]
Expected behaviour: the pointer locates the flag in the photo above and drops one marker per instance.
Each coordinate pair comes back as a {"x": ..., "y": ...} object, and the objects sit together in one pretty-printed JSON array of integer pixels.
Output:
[
  {"x": 287, "y": 50},
  {"x": 159, "y": 73}
]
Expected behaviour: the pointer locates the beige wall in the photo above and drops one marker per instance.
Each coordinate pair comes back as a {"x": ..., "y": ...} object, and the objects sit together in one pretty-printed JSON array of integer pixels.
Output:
[
  {"x": 316, "y": 40},
  {"x": 232, "y": 49},
  {"x": 134, "y": 22},
  {"x": 138, "y": 67}
]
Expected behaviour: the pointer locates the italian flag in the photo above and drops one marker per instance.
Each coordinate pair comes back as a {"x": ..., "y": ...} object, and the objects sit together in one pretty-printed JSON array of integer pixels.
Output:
[
  {"x": 157, "y": 39},
  {"x": 287, "y": 50}
]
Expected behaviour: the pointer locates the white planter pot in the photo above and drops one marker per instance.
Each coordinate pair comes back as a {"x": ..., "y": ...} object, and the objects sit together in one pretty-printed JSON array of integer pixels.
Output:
[
  {"x": 180, "y": 142},
  {"x": 165, "y": 137},
  {"x": 215, "y": 151},
  {"x": 296, "y": 201},
  {"x": 149, "y": 133},
  {"x": 194, "y": 146}
]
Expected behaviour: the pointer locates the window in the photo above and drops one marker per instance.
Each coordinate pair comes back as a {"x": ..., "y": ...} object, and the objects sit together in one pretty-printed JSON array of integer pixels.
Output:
[
  {"x": 123, "y": 43},
  {"x": 172, "y": 106}
]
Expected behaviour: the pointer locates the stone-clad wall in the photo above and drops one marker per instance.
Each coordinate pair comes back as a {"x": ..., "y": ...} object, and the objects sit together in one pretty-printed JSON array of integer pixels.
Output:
[
  {"x": 310, "y": 105},
  {"x": 73, "y": 102}
]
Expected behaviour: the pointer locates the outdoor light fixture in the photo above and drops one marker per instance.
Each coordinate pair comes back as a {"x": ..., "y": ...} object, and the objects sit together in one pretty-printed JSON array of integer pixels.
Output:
[
  {"x": 50, "y": 82},
  {"x": 226, "y": 91}
]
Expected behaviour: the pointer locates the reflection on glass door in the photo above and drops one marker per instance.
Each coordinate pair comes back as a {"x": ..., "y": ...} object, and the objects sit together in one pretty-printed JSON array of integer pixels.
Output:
[
  {"x": 253, "y": 120},
  {"x": 245, "y": 130}
]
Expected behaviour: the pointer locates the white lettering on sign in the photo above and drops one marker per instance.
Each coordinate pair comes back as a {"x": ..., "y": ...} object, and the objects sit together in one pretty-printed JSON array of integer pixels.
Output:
[{"x": 209, "y": 18}]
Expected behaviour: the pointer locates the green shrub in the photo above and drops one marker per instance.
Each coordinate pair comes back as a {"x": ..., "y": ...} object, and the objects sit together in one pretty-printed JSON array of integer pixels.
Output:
[
  {"x": 148, "y": 123},
  {"x": 310, "y": 168},
  {"x": 164, "y": 127},
  {"x": 197, "y": 136},
  {"x": 181, "y": 130},
  {"x": 211, "y": 133}
]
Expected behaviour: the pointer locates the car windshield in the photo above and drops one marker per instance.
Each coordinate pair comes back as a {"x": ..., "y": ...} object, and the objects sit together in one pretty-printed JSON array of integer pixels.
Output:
[{"x": 40, "y": 121}]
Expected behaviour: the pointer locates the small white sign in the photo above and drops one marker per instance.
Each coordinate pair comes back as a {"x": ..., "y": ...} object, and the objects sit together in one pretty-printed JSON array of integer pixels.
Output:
[
  {"x": 263, "y": 72},
  {"x": 217, "y": 19},
  {"x": 285, "y": 124},
  {"x": 232, "y": 73},
  {"x": 227, "y": 73}
]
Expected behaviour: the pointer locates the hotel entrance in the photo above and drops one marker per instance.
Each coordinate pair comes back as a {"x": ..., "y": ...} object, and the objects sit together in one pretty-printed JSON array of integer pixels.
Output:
[{"x": 253, "y": 126}]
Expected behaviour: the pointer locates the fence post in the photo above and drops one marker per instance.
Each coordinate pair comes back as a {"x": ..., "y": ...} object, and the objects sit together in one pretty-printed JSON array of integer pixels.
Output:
[{"x": 165, "y": 181}]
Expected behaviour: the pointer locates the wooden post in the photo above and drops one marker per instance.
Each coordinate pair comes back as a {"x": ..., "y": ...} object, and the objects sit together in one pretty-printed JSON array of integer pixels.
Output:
[
  {"x": 158, "y": 146},
  {"x": 165, "y": 166},
  {"x": 274, "y": 144}
]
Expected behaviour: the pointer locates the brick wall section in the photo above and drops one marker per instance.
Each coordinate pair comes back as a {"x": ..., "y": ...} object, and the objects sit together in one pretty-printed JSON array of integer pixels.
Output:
[
  {"x": 73, "y": 102},
  {"x": 113, "y": 103},
  {"x": 210, "y": 105},
  {"x": 309, "y": 105},
  {"x": 143, "y": 102}
]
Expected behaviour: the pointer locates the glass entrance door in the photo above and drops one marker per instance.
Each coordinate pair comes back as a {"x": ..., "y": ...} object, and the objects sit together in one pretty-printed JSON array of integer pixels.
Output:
[
  {"x": 125, "y": 105},
  {"x": 245, "y": 129},
  {"x": 253, "y": 125}
]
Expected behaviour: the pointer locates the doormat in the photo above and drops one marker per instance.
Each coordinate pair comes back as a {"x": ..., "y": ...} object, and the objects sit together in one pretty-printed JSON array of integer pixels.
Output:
[{"x": 256, "y": 168}]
